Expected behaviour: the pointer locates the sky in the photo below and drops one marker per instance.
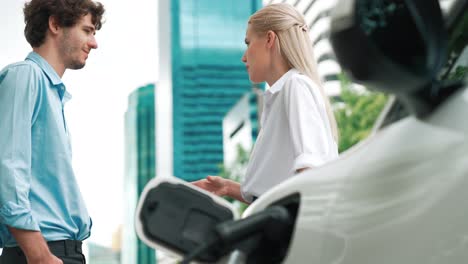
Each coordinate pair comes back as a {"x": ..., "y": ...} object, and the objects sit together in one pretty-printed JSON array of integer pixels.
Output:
[{"x": 126, "y": 59}]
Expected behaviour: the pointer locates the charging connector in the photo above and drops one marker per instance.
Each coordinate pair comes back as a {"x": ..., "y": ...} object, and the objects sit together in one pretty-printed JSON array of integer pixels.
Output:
[{"x": 273, "y": 224}]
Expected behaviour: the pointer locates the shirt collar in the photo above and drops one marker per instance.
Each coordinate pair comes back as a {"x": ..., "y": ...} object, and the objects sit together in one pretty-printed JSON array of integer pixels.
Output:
[
  {"x": 269, "y": 95},
  {"x": 278, "y": 85},
  {"x": 45, "y": 66},
  {"x": 65, "y": 96}
]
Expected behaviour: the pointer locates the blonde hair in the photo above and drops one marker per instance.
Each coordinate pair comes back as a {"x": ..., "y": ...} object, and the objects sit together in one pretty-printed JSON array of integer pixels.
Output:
[{"x": 293, "y": 43}]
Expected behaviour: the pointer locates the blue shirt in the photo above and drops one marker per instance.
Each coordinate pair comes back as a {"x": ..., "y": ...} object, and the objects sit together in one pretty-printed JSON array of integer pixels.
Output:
[{"x": 38, "y": 189}]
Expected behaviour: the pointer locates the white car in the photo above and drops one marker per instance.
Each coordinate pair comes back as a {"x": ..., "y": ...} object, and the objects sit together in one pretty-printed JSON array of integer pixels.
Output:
[{"x": 401, "y": 196}]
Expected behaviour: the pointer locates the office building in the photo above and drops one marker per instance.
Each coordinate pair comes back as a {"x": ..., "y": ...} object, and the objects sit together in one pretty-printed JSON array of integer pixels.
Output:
[
  {"x": 201, "y": 45},
  {"x": 140, "y": 167},
  {"x": 317, "y": 16},
  {"x": 241, "y": 126}
]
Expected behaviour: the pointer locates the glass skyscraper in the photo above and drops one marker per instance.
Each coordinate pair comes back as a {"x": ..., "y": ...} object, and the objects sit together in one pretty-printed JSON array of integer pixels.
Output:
[
  {"x": 208, "y": 78},
  {"x": 140, "y": 167},
  {"x": 201, "y": 43}
]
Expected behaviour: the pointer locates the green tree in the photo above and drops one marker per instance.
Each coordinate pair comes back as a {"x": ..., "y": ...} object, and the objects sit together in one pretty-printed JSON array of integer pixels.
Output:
[
  {"x": 235, "y": 172},
  {"x": 459, "y": 74},
  {"x": 356, "y": 113}
]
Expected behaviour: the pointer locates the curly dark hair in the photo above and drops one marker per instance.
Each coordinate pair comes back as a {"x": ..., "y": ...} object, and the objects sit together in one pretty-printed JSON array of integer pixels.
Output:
[{"x": 67, "y": 13}]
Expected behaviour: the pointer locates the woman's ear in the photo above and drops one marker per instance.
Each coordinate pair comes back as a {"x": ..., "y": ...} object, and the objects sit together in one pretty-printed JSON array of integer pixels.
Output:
[{"x": 271, "y": 37}]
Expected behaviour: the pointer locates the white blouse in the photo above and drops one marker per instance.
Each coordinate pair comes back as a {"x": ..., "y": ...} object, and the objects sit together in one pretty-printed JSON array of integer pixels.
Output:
[{"x": 295, "y": 133}]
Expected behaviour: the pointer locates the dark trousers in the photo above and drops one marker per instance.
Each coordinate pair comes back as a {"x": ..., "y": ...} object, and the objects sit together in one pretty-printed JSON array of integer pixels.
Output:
[{"x": 69, "y": 251}]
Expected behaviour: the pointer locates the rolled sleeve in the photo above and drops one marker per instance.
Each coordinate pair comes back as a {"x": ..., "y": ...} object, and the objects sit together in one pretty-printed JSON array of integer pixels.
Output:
[
  {"x": 17, "y": 96},
  {"x": 306, "y": 125},
  {"x": 18, "y": 217},
  {"x": 247, "y": 197}
]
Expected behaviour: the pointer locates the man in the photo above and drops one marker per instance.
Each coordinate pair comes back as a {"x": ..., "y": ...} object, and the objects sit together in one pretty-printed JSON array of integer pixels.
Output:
[{"x": 43, "y": 218}]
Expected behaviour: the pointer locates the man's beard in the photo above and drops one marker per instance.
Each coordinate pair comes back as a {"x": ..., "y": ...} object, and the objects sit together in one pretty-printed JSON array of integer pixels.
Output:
[
  {"x": 75, "y": 65},
  {"x": 68, "y": 49}
]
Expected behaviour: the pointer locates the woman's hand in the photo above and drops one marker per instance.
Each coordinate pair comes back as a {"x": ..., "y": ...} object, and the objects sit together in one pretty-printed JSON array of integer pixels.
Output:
[
  {"x": 214, "y": 184},
  {"x": 221, "y": 187}
]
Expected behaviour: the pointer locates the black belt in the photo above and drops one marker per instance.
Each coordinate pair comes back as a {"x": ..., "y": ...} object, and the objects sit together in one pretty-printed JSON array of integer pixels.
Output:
[
  {"x": 58, "y": 248},
  {"x": 66, "y": 247}
]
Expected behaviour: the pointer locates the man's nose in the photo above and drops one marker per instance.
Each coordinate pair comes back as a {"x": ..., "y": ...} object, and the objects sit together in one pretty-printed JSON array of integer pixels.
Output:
[{"x": 93, "y": 43}]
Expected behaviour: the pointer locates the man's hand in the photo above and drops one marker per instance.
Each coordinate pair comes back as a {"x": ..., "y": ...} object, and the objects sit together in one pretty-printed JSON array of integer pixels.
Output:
[
  {"x": 49, "y": 259},
  {"x": 34, "y": 246}
]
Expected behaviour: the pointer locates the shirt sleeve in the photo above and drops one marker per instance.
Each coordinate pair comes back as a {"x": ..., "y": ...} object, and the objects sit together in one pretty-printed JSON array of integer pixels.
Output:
[
  {"x": 307, "y": 126},
  {"x": 247, "y": 197},
  {"x": 18, "y": 92}
]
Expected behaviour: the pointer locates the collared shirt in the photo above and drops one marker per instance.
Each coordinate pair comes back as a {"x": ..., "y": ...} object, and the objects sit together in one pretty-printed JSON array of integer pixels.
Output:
[
  {"x": 295, "y": 133},
  {"x": 38, "y": 190}
]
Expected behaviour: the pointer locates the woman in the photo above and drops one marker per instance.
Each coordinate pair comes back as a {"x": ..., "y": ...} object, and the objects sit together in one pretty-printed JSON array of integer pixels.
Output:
[{"x": 298, "y": 127}]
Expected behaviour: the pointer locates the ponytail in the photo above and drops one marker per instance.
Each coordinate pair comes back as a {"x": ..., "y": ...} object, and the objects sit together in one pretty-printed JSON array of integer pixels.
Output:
[{"x": 294, "y": 45}]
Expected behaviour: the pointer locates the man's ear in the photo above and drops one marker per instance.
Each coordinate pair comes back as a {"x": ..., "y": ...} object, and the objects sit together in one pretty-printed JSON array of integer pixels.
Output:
[
  {"x": 53, "y": 25},
  {"x": 271, "y": 37}
]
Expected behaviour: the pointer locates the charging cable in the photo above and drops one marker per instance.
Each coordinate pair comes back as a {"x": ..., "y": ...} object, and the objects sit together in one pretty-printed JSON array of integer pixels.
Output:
[{"x": 273, "y": 223}]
